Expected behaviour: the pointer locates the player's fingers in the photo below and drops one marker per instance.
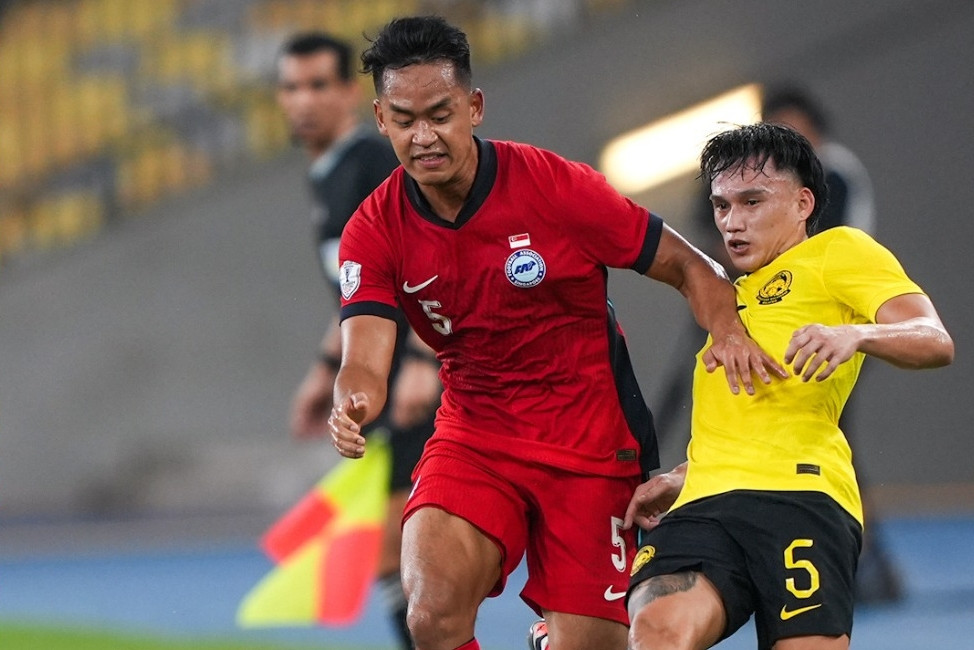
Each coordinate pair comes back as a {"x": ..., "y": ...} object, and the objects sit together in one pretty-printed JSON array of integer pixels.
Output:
[
  {"x": 358, "y": 402},
  {"x": 820, "y": 367},
  {"x": 790, "y": 352},
  {"x": 758, "y": 367},
  {"x": 769, "y": 362},
  {"x": 826, "y": 371},
  {"x": 627, "y": 521},
  {"x": 730, "y": 373},
  {"x": 349, "y": 449},
  {"x": 352, "y": 453},
  {"x": 763, "y": 366},
  {"x": 800, "y": 362},
  {"x": 342, "y": 415},
  {"x": 648, "y": 523},
  {"x": 742, "y": 372},
  {"x": 710, "y": 360},
  {"x": 797, "y": 341},
  {"x": 812, "y": 366},
  {"x": 343, "y": 430}
]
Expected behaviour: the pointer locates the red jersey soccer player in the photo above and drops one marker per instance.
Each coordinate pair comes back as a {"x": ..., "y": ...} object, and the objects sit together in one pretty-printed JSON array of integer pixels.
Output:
[{"x": 497, "y": 254}]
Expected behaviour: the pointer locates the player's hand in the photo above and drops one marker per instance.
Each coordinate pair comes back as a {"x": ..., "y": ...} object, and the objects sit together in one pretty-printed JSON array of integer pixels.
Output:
[
  {"x": 311, "y": 403},
  {"x": 653, "y": 498},
  {"x": 416, "y": 392},
  {"x": 817, "y": 350},
  {"x": 346, "y": 434},
  {"x": 741, "y": 358}
]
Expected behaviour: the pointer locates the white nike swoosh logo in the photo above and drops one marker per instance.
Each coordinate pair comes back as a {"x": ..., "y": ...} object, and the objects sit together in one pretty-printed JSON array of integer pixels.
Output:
[
  {"x": 421, "y": 285},
  {"x": 613, "y": 595}
]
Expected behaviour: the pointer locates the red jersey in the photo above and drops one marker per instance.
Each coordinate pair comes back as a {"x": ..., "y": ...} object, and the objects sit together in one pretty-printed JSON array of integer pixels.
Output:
[{"x": 512, "y": 297}]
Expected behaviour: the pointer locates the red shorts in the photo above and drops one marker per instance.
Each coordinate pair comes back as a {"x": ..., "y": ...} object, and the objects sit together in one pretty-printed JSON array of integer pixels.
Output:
[{"x": 568, "y": 524}]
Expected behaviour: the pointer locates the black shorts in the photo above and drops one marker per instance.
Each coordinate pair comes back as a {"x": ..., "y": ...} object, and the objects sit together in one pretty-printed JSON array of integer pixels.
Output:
[
  {"x": 787, "y": 557},
  {"x": 406, "y": 446}
]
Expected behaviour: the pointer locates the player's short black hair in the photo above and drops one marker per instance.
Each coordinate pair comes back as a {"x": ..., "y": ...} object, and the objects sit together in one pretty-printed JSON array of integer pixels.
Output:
[
  {"x": 753, "y": 145},
  {"x": 782, "y": 97},
  {"x": 308, "y": 43},
  {"x": 417, "y": 39}
]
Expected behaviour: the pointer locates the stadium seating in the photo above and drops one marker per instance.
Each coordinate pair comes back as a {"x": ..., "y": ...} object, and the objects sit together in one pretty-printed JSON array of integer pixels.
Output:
[{"x": 108, "y": 106}]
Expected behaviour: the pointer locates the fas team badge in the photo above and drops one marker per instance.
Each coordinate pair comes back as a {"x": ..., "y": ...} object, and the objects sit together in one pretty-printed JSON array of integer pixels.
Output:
[{"x": 775, "y": 289}]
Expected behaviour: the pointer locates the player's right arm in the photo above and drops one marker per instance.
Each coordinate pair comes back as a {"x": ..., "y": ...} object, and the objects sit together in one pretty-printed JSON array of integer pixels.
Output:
[
  {"x": 904, "y": 328},
  {"x": 368, "y": 343},
  {"x": 712, "y": 300},
  {"x": 908, "y": 333}
]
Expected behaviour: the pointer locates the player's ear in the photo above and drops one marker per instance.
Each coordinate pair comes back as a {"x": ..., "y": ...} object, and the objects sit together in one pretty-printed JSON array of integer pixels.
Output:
[
  {"x": 379, "y": 117},
  {"x": 806, "y": 203},
  {"x": 476, "y": 106}
]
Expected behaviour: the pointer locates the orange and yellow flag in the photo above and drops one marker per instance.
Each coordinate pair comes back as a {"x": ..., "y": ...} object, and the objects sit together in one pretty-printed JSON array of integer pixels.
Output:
[{"x": 326, "y": 548}]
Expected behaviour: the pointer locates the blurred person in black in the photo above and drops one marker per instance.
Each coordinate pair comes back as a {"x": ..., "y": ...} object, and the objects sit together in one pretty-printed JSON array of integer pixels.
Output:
[
  {"x": 850, "y": 203},
  {"x": 320, "y": 98},
  {"x": 850, "y": 189}
]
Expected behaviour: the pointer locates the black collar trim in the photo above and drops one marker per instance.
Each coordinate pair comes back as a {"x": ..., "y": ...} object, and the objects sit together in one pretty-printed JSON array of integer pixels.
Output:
[{"x": 483, "y": 182}]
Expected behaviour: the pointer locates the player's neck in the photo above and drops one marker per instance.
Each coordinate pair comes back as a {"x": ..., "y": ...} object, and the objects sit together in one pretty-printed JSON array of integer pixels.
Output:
[
  {"x": 444, "y": 202},
  {"x": 446, "y": 199}
]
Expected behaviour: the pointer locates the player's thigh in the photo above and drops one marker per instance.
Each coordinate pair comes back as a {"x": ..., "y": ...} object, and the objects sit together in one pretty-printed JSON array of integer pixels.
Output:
[
  {"x": 463, "y": 521},
  {"x": 446, "y": 561},
  {"x": 803, "y": 566},
  {"x": 691, "y": 552},
  {"x": 574, "y": 632}
]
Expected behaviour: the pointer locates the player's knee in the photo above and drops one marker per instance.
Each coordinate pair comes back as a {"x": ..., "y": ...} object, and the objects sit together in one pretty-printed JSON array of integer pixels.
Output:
[
  {"x": 424, "y": 626},
  {"x": 431, "y": 620},
  {"x": 651, "y": 628}
]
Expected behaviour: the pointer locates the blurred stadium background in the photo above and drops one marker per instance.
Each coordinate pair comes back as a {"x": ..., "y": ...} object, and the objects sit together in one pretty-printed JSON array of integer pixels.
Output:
[{"x": 159, "y": 295}]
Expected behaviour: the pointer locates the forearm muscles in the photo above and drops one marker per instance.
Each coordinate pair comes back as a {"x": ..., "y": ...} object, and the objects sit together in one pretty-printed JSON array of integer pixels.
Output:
[
  {"x": 908, "y": 333},
  {"x": 920, "y": 342}
]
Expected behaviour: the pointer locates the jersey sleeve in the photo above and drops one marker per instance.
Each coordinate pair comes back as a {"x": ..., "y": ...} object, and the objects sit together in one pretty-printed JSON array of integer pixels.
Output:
[
  {"x": 367, "y": 271},
  {"x": 607, "y": 226},
  {"x": 862, "y": 273}
]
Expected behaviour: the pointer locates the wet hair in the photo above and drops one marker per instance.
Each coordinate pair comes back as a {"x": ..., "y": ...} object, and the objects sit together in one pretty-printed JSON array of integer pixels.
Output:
[
  {"x": 786, "y": 97},
  {"x": 750, "y": 147},
  {"x": 414, "y": 40},
  {"x": 308, "y": 43}
]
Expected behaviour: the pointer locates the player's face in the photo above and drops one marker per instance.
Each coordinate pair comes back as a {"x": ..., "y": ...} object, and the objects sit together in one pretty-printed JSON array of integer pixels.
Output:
[
  {"x": 316, "y": 101},
  {"x": 429, "y": 117},
  {"x": 759, "y": 213}
]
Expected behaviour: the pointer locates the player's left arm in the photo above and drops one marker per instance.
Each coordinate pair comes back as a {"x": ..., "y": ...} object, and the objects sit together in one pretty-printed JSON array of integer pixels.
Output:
[
  {"x": 908, "y": 333},
  {"x": 704, "y": 283},
  {"x": 654, "y": 497}
]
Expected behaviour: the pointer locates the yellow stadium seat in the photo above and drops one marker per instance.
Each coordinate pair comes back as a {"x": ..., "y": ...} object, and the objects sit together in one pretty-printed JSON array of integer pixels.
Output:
[{"x": 64, "y": 219}]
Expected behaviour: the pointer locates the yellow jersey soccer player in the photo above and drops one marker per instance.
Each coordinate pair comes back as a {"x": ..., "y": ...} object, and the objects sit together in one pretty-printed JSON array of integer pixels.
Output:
[{"x": 769, "y": 520}]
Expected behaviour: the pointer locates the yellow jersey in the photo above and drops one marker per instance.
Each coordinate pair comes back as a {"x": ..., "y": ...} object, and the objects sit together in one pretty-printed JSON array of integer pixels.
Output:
[{"x": 786, "y": 436}]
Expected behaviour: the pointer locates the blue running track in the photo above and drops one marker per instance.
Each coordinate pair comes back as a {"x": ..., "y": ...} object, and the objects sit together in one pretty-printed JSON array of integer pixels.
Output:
[{"x": 193, "y": 590}]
